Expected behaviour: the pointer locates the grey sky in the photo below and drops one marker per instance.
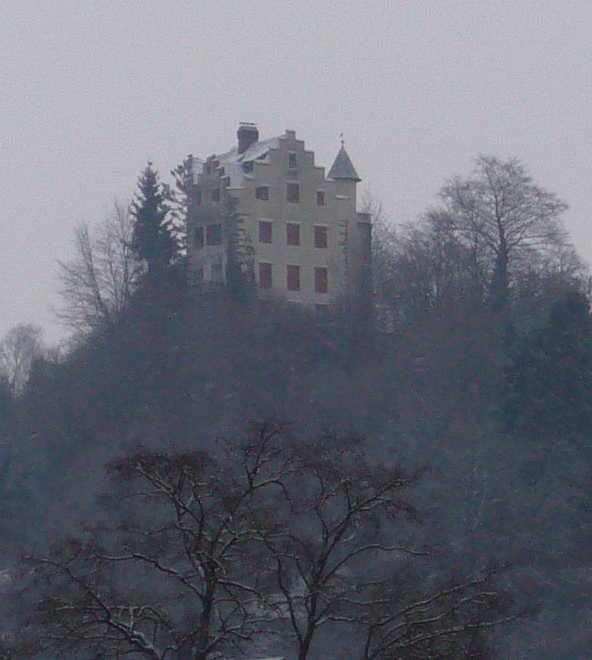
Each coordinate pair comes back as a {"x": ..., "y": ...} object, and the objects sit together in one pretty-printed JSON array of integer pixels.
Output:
[{"x": 91, "y": 90}]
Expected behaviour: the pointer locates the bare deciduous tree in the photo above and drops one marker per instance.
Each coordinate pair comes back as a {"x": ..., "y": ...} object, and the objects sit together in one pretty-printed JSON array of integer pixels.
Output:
[
  {"x": 179, "y": 578},
  {"x": 499, "y": 212},
  {"x": 18, "y": 349},
  {"x": 97, "y": 283},
  {"x": 329, "y": 522},
  {"x": 332, "y": 538},
  {"x": 443, "y": 623},
  {"x": 274, "y": 539}
]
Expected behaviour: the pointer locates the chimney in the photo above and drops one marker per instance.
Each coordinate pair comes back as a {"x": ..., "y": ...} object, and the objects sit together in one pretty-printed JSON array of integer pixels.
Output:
[{"x": 247, "y": 134}]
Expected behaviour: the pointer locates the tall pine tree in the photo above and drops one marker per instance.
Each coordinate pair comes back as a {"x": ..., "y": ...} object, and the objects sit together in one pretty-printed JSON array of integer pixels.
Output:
[{"x": 153, "y": 238}]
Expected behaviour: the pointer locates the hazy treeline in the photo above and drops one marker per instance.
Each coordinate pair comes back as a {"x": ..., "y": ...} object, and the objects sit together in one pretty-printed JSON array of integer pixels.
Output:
[{"x": 470, "y": 385}]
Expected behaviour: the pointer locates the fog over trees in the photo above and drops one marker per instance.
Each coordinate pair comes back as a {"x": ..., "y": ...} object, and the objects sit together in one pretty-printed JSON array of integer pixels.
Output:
[{"x": 194, "y": 476}]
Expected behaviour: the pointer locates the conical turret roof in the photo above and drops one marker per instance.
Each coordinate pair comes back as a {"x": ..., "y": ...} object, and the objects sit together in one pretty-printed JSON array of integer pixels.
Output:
[{"x": 343, "y": 168}]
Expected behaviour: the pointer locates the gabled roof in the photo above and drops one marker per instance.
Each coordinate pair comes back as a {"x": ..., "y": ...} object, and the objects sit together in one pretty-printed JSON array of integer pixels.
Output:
[{"x": 343, "y": 168}]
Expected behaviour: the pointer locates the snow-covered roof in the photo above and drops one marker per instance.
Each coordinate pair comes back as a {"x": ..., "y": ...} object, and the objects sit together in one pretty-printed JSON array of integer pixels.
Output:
[{"x": 233, "y": 162}]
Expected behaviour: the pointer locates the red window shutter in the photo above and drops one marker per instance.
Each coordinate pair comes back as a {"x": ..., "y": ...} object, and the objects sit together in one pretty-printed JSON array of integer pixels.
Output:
[
  {"x": 292, "y": 234},
  {"x": 320, "y": 237},
  {"x": 293, "y": 192},
  {"x": 265, "y": 276},
  {"x": 293, "y": 278},
  {"x": 264, "y": 232},
  {"x": 214, "y": 234},
  {"x": 321, "y": 285}
]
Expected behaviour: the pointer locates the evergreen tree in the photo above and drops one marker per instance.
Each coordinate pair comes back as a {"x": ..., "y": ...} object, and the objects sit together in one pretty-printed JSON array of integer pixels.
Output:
[
  {"x": 239, "y": 262},
  {"x": 180, "y": 198},
  {"x": 153, "y": 237}
]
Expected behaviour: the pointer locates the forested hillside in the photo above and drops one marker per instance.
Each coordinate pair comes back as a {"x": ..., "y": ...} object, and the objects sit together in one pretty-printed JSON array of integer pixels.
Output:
[{"x": 198, "y": 477}]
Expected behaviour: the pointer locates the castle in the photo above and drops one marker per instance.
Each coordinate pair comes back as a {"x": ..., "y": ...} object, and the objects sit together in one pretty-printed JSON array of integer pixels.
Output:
[{"x": 302, "y": 239}]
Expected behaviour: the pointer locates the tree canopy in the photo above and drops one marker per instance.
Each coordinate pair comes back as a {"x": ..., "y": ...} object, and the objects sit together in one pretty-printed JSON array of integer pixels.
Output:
[
  {"x": 503, "y": 216},
  {"x": 413, "y": 459},
  {"x": 153, "y": 233}
]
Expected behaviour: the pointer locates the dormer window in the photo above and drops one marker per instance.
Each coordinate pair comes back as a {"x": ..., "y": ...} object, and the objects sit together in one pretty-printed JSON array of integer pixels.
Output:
[{"x": 292, "y": 161}]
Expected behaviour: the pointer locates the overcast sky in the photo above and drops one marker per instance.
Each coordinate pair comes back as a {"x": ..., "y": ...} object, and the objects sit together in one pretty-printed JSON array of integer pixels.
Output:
[{"x": 90, "y": 90}]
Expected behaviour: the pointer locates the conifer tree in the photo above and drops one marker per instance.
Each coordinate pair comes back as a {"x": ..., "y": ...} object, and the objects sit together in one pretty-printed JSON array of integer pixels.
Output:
[
  {"x": 239, "y": 265},
  {"x": 153, "y": 238},
  {"x": 180, "y": 198}
]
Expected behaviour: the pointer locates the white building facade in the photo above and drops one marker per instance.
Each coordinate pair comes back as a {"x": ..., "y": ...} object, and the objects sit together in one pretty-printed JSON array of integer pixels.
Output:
[{"x": 302, "y": 240}]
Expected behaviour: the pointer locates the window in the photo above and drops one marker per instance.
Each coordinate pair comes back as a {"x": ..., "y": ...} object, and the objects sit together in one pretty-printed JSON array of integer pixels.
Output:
[
  {"x": 293, "y": 192},
  {"x": 264, "y": 231},
  {"x": 293, "y": 278},
  {"x": 217, "y": 272},
  {"x": 262, "y": 192},
  {"x": 320, "y": 198},
  {"x": 216, "y": 195},
  {"x": 214, "y": 234},
  {"x": 292, "y": 162},
  {"x": 265, "y": 276},
  {"x": 292, "y": 234},
  {"x": 197, "y": 276},
  {"x": 320, "y": 237},
  {"x": 198, "y": 197},
  {"x": 226, "y": 182},
  {"x": 320, "y": 276},
  {"x": 198, "y": 238},
  {"x": 248, "y": 166}
]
